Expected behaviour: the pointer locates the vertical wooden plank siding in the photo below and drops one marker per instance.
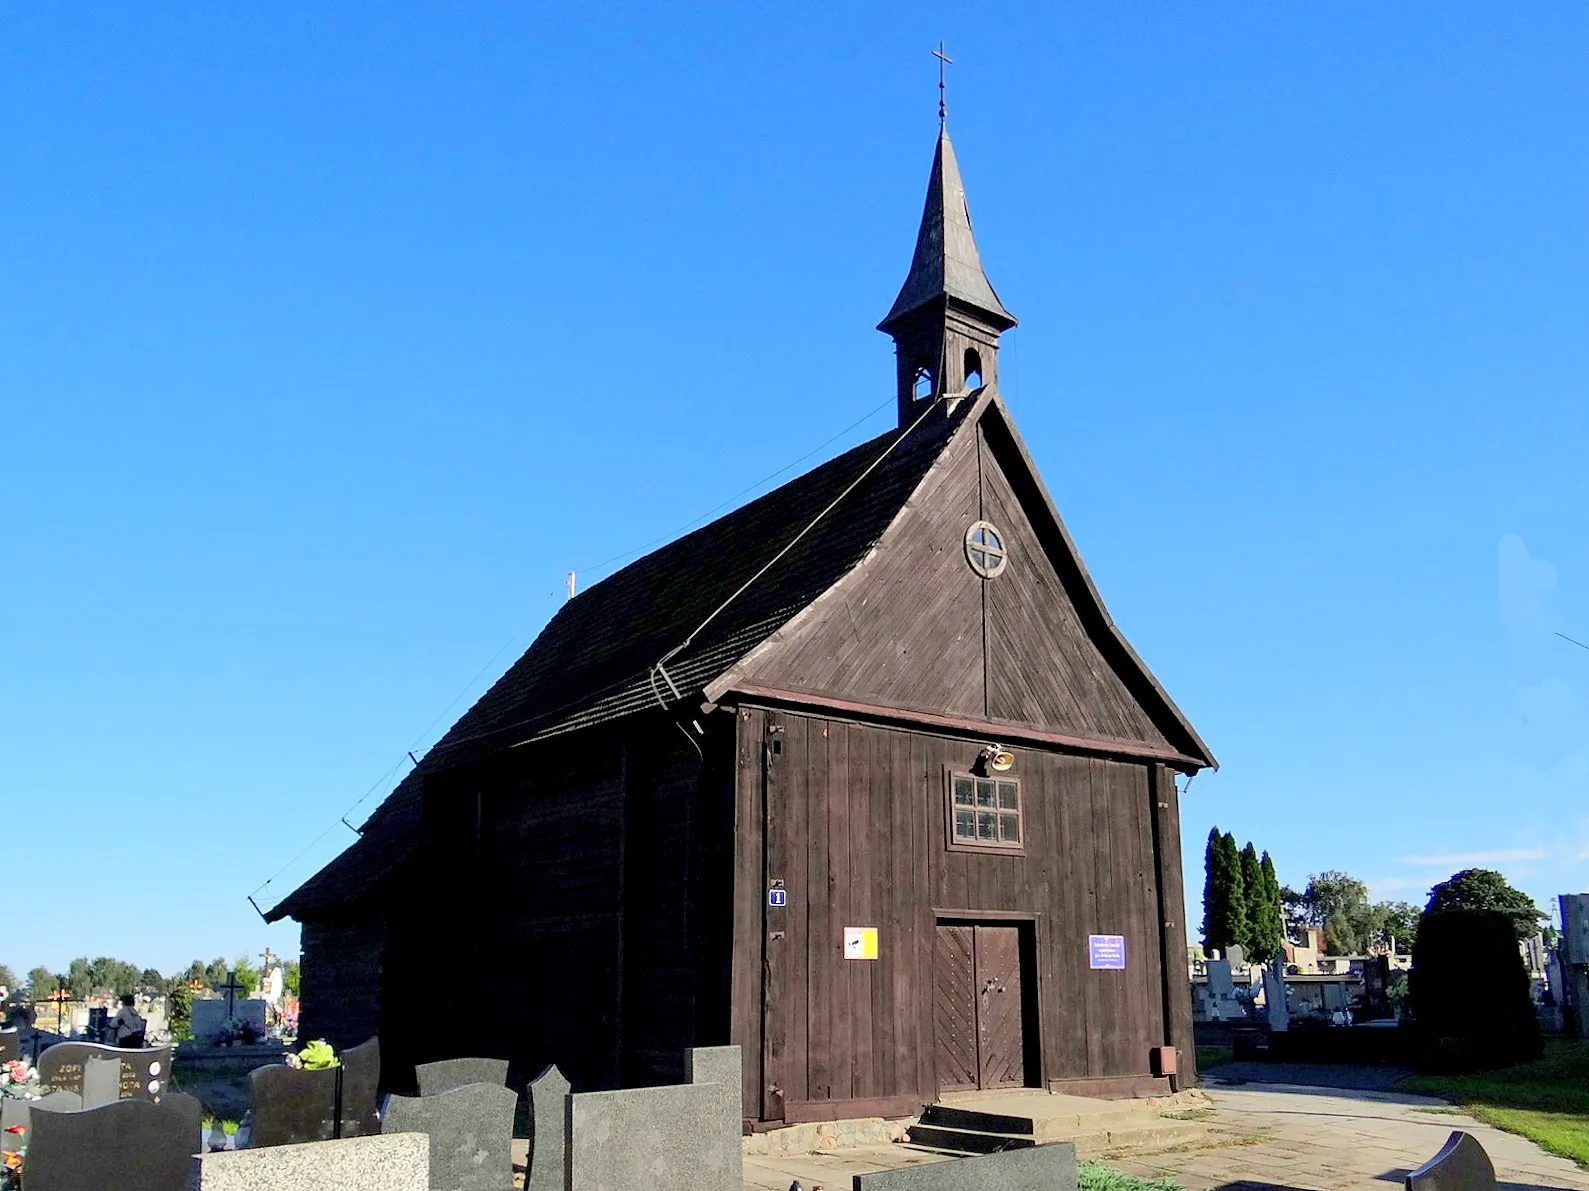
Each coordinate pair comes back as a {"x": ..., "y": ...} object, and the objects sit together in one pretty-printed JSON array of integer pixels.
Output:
[
  {"x": 1177, "y": 990},
  {"x": 855, "y": 824},
  {"x": 746, "y": 971}
]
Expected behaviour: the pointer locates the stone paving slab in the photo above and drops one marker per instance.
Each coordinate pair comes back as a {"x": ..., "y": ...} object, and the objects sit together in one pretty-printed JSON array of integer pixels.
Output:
[
  {"x": 1292, "y": 1138},
  {"x": 1261, "y": 1138}
]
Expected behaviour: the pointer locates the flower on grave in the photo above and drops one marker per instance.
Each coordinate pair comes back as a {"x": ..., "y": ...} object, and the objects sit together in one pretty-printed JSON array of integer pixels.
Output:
[{"x": 319, "y": 1056}]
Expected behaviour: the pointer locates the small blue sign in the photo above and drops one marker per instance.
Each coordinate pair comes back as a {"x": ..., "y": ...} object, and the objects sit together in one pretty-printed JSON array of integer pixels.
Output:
[
  {"x": 780, "y": 897},
  {"x": 1106, "y": 951}
]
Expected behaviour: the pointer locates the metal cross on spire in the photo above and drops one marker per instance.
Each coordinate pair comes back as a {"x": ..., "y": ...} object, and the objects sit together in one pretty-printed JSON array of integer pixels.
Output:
[{"x": 943, "y": 60}]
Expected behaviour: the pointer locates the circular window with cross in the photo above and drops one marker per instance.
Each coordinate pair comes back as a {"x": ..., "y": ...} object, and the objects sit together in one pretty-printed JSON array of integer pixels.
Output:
[{"x": 985, "y": 550}]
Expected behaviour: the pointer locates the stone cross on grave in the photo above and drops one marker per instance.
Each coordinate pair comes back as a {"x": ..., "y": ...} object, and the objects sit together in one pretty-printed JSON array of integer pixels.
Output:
[{"x": 231, "y": 988}]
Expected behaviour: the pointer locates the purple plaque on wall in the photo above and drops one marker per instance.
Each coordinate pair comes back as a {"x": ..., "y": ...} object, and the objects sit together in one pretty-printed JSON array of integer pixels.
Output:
[{"x": 1106, "y": 951}]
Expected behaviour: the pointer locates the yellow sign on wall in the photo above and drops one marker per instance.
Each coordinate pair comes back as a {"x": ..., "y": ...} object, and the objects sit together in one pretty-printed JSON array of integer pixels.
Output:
[{"x": 860, "y": 942}]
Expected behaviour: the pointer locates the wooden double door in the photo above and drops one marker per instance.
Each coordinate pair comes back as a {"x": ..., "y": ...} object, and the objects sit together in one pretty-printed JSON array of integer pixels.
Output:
[{"x": 979, "y": 1005}]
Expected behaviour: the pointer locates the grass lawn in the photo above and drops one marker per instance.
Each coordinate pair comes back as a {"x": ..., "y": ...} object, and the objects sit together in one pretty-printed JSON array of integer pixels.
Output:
[
  {"x": 1095, "y": 1176},
  {"x": 1212, "y": 1056},
  {"x": 1547, "y": 1102}
]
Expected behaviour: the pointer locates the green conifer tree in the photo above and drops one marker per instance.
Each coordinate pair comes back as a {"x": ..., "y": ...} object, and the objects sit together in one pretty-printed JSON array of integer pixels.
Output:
[
  {"x": 1210, "y": 864},
  {"x": 1253, "y": 891},
  {"x": 1268, "y": 931},
  {"x": 1224, "y": 900}
]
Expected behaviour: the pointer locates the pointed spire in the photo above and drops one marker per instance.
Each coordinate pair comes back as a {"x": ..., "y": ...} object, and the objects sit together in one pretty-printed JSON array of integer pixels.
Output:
[{"x": 947, "y": 264}]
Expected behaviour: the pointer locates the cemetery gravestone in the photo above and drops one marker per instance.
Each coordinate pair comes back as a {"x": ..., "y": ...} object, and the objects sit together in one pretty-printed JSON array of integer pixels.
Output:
[
  {"x": 1222, "y": 993},
  {"x": 359, "y": 1108},
  {"x": 392, "y": 1162},
  {"x": 680, "y": 1138},
  {"x": 1049, "y": 1167},
  {"x": 131, "y": 1145},
  {"x": 1335, "y": 998},
  {"x": 1274, "y": 995},
  {"x": 548, "y": 1165},
  {"x": 1235, "y": 956},
  {"x": 14, "y": 1111},
  {"x": 293, "y": 1107},
  {"x": 143, "y": 1072},
  {"x": 209, "y": 1018},
  {"x": 10, "y": 1045},
  {"x": 443, "y": 1076},
  {"x": 471, "y": 1134},
  {"x": 1461, "y": 1165}
]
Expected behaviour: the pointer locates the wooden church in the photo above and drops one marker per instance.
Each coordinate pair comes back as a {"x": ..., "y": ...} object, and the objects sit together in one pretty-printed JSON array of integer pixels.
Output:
[{"x": 861, "y": 778}]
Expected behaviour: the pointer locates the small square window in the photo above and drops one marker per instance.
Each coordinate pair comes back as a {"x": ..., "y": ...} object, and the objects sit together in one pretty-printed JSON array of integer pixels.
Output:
[
  {"x": 965, "y": 825},
  {"x": 983, "y": 813}
]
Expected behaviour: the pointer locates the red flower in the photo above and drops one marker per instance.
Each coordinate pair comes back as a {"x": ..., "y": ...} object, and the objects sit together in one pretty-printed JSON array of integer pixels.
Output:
[{"x": 16, "y": 1128}]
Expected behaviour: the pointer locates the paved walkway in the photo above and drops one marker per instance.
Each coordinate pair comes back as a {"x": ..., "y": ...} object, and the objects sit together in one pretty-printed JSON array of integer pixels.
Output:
[
  {"x": 1270, "y": 1137},
  {"x": 1297, "y": 1138}
]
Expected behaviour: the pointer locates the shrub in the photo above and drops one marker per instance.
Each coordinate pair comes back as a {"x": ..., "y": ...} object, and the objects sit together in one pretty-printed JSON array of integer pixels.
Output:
[{"x": 1469, "y": 993}]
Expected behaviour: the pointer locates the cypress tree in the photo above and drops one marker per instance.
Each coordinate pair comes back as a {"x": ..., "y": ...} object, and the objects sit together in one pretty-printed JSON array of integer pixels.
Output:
[
  {"x": 1210, "y": 864},
  {"x": 1256, "y": 904},
  {"x": 1268, "y": 928},
  {"x": 1224, "y": 903},
  {"x": 1236, "y": 899}
]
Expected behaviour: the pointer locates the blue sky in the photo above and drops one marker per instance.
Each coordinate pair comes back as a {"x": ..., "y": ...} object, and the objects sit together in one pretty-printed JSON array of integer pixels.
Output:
[{"x": 334, "y": 339}]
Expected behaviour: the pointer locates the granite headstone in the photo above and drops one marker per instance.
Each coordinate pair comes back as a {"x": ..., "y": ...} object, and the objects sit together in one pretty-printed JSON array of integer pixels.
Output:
[
  {"x": 208, "y": 1018},
  {"x": 143, "y": 1072},
  {"x": 359, "y": 1108},
  {"x": 392, "y": 1162},
  {"x": 680, "y": 1138},
  {"x": 1461, "y": 1165},
  {"x": 443, "y": 1076},
  {"x": 14, "y": 1110},
  {"x": 130, "y": 1145},
  {"x": 1274, "y": 997},
  {"x": 548, "y": 1163},
  {"x": 10, "y": 1045},
  {"x": 292, "y": 1106},
  {"x": 470, "y": 1130},
  {"x": 1049, "y": 1167}
]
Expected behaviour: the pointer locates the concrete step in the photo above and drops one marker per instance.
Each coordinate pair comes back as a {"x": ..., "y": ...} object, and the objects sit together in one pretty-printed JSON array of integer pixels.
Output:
[
  {"x": 948, "y": 1117},
  {"x": 966, "y": 1141}
]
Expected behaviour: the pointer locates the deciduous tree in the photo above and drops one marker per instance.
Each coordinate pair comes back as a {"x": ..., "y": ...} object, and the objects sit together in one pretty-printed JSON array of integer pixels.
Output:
[{"x": 1484, "y": 889}]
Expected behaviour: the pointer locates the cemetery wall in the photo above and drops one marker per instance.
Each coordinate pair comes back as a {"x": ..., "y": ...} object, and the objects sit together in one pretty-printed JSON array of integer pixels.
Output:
[{"x": 851, "y": 818}]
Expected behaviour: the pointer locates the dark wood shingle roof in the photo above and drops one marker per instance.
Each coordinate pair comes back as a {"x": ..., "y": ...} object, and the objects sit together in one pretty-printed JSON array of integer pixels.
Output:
[{"x": 595, "y": 661}]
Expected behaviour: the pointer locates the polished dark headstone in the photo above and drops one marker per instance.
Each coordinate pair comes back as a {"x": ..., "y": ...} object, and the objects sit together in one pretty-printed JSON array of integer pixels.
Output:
[
  {"x": 443, "y": 1076},
  {"x": 361, "y": 1078},
  {"x": 131, "y": 1145},
  {"x": 14, "y": 1111},
  {"x": 143, "y": 1076},
  {"x": 470, "y": 1130},
  {"x": 548, "y": 1166},
  {"x": 291, "y": 1106},
  {"x": 1461, "y": 1165},
  {"x": 10, "y": 1045}
]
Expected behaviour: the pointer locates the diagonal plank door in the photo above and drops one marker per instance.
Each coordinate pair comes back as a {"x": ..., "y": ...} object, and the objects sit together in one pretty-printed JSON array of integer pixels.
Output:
[
  {"x": 1000, "y": 1046},
  {"x": 954, "y": 1007}
]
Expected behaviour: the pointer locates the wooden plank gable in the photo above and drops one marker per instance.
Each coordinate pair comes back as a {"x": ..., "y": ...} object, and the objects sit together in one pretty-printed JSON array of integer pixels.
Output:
[
  {"x": 912, "y": 628},
  {"x": 904, "y": 629}
]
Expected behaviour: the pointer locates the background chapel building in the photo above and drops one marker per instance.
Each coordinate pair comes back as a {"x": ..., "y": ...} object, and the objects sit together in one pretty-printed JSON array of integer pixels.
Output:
[{"x": 860, "y": 777}]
